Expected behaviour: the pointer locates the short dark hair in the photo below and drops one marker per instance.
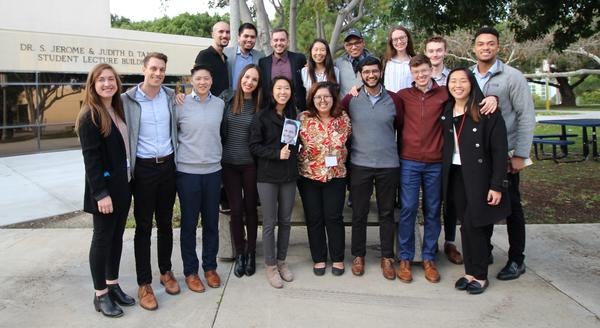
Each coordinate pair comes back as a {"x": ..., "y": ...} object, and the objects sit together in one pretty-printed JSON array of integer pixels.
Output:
[
  {"x": 277, "y": 30},
  {"x": 487, "y": 30},
  {"x": 436, "y": 38},
  {"x": 419, "y": 60},
  {"x": 247, "y": 26},
  {"x": 200, "y": 67},
  {"x": 369, "y": 60},
  {"x": 158, "y": 55}
]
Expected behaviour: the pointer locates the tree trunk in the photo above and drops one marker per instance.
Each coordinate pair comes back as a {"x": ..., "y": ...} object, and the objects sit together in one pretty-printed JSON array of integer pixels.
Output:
[
  {"x": 566, "y": 91},
  {"x": 263, "y": 25},
  {"x": 292, "y": 24},
  {"x": 245, "y": 14},
  {"x": 344, "y": 21},
  {"x": 234, "y": 20},
  {"x": 319, "y": 26}
]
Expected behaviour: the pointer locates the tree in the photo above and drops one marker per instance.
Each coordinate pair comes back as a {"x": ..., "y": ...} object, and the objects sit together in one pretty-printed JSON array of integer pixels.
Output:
[
  {"x": 184, "y": 24},
  {"x": 566, "y": 21}
]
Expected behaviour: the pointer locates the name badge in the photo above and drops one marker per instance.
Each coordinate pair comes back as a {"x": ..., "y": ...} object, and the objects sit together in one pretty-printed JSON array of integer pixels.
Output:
[{"x": 331, "y": 161}]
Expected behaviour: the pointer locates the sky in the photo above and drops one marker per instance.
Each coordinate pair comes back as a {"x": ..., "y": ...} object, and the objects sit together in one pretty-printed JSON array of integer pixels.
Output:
[{"x": 138, "y": 10}]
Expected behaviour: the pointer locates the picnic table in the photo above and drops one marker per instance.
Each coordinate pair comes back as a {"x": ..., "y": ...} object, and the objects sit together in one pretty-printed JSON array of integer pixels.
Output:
[{"x": 584, "y": 123}]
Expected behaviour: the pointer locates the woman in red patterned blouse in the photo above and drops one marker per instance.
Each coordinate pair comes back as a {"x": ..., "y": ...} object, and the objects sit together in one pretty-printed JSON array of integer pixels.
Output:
[{"x": 324, "y": 130}]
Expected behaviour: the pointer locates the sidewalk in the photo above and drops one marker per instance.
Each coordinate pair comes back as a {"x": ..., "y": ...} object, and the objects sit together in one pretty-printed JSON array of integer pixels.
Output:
[{"x": 46, "y": 283}]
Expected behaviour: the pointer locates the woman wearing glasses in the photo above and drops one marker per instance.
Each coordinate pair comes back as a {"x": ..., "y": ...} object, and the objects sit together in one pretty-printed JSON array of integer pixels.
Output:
[
  {"x": 395, "y": 60},
  {"x": 324, "y": 130}
]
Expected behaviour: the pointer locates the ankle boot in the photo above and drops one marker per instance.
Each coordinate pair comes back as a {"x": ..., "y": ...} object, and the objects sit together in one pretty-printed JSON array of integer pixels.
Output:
[
  {"x": 240, "y": 265},
  {"x": 250, "y": 264},
  {"x": 105, "y": 305},
  {"x": 118, "y": 295}
]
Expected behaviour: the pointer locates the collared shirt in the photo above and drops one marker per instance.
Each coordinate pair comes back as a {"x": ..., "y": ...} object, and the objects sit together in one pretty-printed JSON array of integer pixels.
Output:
[
  {"x": 483, "y": 79},
  {"x": 376, "y": 97},
  {"x": 441, "y": 79},
  {"x": 241, "y": 61},
  {"x": 197, "y": 98},
  {"x": 427, "y": 88},
  {"x": 154, "y": 139},
  {"x": 281, "y": 66}
]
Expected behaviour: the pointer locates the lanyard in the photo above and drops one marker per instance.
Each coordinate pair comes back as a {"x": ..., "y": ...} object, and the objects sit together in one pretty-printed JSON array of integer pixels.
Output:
[{"x": 461, "y": 127}]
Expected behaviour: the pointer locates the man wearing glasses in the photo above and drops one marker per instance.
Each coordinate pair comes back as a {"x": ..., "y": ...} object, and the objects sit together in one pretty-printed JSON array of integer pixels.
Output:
[
  {"x": 373, "y": 161},
  {"x": 347, "y": 64}
]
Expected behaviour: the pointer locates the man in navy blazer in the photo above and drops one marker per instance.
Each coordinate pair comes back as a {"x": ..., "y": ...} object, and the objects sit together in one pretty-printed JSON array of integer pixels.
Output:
[
  {"x": 243, "y": 54},
  {"x": 285, "y": 63}
]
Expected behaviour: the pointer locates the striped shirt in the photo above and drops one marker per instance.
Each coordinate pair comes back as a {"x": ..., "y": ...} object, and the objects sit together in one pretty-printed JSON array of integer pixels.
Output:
[{"x": 236, "y": 150}]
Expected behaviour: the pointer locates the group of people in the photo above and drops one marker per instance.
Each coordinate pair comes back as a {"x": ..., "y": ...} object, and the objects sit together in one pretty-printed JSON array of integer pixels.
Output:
[{"x": 404, "y": 124}]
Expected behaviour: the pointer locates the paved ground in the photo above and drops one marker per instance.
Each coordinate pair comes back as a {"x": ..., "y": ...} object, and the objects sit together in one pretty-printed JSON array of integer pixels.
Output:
[
  {"x": 46, "y": 280},
  {"x": 46, "y": 283}
]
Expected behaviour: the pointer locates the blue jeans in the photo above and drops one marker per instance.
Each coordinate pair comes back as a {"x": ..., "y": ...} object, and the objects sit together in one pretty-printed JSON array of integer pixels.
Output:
[
  {"x": 199, "y": 195},
  {"x": 413, "y": 175}
]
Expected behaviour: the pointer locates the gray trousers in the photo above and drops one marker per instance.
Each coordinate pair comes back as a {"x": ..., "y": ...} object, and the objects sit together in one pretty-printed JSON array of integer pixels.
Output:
[{"x": 277, "y": 203}]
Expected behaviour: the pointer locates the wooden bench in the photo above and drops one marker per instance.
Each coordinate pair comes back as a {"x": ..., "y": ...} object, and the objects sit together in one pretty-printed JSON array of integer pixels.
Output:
[{"x": 554, "y": 144}]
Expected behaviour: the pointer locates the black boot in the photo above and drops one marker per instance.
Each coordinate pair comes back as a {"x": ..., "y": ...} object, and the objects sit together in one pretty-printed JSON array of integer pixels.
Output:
[
  {"x": 118, "y": 296},
  {"x": 105, "y": 305},
  {"x": 240, "y": 265},
  {"x": 250, "y": 264}
]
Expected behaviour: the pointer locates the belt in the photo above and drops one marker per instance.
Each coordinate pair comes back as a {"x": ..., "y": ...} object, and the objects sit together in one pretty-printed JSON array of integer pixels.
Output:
[{"x": 156, "y": 160}]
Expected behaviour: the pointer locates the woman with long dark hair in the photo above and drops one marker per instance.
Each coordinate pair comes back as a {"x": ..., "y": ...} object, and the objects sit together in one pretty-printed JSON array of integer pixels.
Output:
[
  {"x": 277, "y": 172},
  {"x": 399, "y": 51},
  {"x": 324, "y": 130},
  {"x": 319, "y": 65},
  {"x": 474, "y": 174},
  {"x": 239, "y": 169},
  {"x": 105, "y": 147}
]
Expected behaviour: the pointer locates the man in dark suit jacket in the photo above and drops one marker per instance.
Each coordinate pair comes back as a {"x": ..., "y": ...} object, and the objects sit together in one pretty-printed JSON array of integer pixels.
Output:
[
  {"x": 283, "y": 62},
  {"x": 243, "y": 54}
]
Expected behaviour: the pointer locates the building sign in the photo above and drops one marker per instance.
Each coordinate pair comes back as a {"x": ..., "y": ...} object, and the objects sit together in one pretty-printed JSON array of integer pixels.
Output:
[{"x": 43, "y": 52}]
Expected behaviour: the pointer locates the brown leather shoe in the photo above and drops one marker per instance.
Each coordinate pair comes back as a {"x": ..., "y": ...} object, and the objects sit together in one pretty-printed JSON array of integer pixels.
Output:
[
  {"x": 387, "y": 268},
  {"x": 453, "y": 254},
  {"x": 431, "y": 272},
  {"x": 194, "y": 283},
  {"x": 147, "y": 299},
  {"x": 404, "y": 273},
  {"x": 168, "y": 280},
  {"x": 212, "y": 279},
  {"x": 358, "y": 266}
]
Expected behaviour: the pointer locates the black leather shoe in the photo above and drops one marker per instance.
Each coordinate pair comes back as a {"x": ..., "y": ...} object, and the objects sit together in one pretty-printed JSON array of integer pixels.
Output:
[
  {"x": 118, "y": 295},
  {"x": 511, "y": 271},
  {"x": 337, "y": 271},
  {"x": 240, "y": 265},
  {"x": 319, "y": 271},
  {"x": 105, "y": 305},
  {"x": 474, "y": 287},
  {"x": 461, "y": 284},
  {"x": 250, "y": 264}
]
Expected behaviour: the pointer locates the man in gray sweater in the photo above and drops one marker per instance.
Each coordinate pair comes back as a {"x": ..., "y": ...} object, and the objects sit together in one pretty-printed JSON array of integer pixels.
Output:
[
  {"x": 374, "y": 160},
  {"x": 516, "y": 104}
]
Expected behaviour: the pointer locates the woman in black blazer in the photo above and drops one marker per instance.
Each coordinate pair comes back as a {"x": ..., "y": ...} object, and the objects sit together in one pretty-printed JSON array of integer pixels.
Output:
[
  {"x": 474, "y": 174},
  {"x": 104, "y": 144}
]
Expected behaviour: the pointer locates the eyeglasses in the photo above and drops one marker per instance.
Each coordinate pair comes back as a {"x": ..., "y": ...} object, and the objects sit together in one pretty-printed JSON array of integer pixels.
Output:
[
  {"x": 353, "y": 44},
  {"x": 369, "y": 72},
  {"x": 322, "y": 98},
  {"x": 400, "y": 39}
]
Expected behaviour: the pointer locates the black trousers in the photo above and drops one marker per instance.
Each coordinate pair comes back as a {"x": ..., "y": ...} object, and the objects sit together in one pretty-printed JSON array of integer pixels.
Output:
[
  {"x": 106, "y": 247},
  {"x": 239, "y": 182},
  {"x": 515, "y": 222},
  {"x": 154, "y": 195},
  {"x": 475, "y": 239},
  {"x": 361, "y": 184},
  {"x": 449, "y": 223},
  {"x": 323, "y": 204}
]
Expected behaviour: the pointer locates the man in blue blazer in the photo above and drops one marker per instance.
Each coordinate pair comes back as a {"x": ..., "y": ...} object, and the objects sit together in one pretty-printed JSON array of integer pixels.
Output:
[{"x": 243, "y": 54}]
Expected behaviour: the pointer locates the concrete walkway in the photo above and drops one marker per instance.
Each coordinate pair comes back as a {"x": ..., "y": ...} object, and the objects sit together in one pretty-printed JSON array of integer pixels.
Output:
[{"x": 46, "y": 283}]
